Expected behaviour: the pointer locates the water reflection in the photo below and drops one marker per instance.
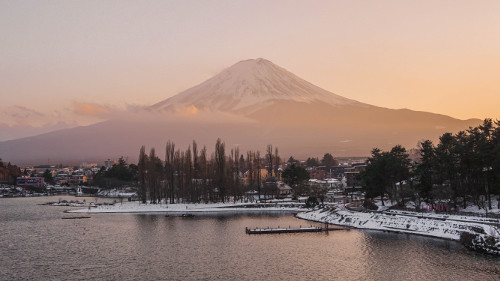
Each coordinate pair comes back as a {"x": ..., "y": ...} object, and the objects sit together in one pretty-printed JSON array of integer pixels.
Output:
[{"x": 37, "y": 244}]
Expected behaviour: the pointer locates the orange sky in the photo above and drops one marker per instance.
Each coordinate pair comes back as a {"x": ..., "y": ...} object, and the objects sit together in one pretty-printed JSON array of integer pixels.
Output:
[{"x": 76, "y": 61}]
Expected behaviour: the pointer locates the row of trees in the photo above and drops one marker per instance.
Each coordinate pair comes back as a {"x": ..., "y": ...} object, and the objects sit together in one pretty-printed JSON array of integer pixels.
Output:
[
  {"x": 9, "y": 172},
  {"x": 119, "y": 174},
  {"x": 461, "y": 168},
  {"x": 327, "y": 161},
  {"x": 192, "y": 175}
]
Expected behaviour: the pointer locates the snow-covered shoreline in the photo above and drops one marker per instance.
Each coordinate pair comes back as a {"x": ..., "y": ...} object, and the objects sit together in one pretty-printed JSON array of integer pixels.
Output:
[
  {"x": 441, "y": 226},
  {"x": 200, "y": 209},
  {"x": 433, "y": 225}
]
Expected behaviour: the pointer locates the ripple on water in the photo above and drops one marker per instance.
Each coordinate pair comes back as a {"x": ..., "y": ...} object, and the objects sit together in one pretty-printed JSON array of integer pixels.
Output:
[{"x": 37, "y": 244}]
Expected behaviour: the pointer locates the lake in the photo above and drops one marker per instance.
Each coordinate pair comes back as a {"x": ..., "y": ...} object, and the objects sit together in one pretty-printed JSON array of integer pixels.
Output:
[{"x": 36, "y": 244}]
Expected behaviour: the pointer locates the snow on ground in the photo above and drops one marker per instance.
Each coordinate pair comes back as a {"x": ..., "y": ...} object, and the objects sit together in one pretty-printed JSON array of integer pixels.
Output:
[
  {"x": 73, "y": 204},
  {"x": 471, "y": 208},
  {"x": 116, "y": 193},
  {"x": 444, "y": 216},
  {"x": 137, "y": 207},
  {"x": 408, "y": 222}
]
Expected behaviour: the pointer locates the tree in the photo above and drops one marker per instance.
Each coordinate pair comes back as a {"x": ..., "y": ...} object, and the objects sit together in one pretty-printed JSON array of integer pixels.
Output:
[
  {"x": 142, "y": 173},
  {"x": 47, "y": 177},
  {"x": 204, "y": 173},
  {"x": 328, "y": 160},
  {"x": 486, "y": 154},
  {"x": 375, "y": 178},
  {"x": 295, "y": 176},
  {"x": 154, "y": 176},
  {"x": 257, "y": 161},
  {"x": 312, "y": 162},
  {"x": 270, "y": 160},
  {"x": 170, "y": 170},
  {"x": 236, "y": 172},
  {"x": 425, "y": 169},
  {"x": 386, "y": 173},
  {"x": 220, "y": 161},
  {"x": 399, "y": 170},
  {"x": 120, "y": 171},
  {"x": 277, "y": 162},
  {"x": 292, "y": 161},
  {"x": 495, "y": 165},
  {"x": 446, "y": 164}
]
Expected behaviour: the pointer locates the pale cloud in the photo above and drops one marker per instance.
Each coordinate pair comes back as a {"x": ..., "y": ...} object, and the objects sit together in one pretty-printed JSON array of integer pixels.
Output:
[
  {"x": 20, "y": 111},
  {"x": 74, "y": 113},
  {"x": 89, "y": 109},
  {"x": 20, "y": 115}
]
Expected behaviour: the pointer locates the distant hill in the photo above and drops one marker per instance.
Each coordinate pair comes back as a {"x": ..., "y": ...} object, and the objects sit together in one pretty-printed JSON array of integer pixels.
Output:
[{"x": 250, "y": 104}]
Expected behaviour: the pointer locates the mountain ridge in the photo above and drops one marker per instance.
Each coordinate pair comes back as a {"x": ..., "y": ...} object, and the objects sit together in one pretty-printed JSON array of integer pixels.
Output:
[
  {"x": 254, "y": 82},
  {"x": 250, "y": 104}
]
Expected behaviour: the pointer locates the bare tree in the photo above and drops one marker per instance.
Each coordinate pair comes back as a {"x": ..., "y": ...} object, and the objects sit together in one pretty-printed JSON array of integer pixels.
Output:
[
  {"x": 257, "y": 162},
  {"x": 204, "y": 173},
  {"x": 270, "y": 160},
  {"x": 277, "y": 162},
  {"x": 169, "y": 170},
  {"x": 142, "y": 173},
  {"x": 154, "y": 176},
  {"x": 220, "y": 161}
]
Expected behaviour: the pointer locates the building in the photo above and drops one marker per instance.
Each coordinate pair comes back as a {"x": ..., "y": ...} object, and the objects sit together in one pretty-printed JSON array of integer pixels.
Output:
[
  {"x": 77, "y": 179},
  {"x": 351, "y": 174},
  {"x": 30, "y": 181},
  {"x": 263, "y": 176},
  {"x": 317, "y": 174},
  {"x": 284, "y": 190}
]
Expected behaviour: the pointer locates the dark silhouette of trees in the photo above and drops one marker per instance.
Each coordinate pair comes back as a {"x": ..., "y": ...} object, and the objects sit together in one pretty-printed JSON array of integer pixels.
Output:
[
  {"x": 154, "y": 176},
  {"x": 220, "y": 165},
  {"x": 47, "y": 177},
  {"x": 277, "y": 162},
  {"x": 269, "y": 160},
  {"x": 296, "y": 176},
  {"x": 461, "y": 168},
  {"x": 328, "y": 160},
  {"x": 170, "y": 171},
  {"x": 192, "y": 176},
  {"x": 312, "y": 162},
  {"x": 292, "y": 161},
  {"x": 9, "y": 172},
  {"x": 142, "y": 174},
  {"x": 426, "y": 170},
  {"x": 120, "y": 174}
]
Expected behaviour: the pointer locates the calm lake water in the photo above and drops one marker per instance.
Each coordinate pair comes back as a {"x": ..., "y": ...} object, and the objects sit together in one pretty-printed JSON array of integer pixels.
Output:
[{"x": 36, "y": 244}]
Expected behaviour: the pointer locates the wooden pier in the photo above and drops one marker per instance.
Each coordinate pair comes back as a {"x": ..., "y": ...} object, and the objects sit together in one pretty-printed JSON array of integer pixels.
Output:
[{"x": 292, "y": 230}]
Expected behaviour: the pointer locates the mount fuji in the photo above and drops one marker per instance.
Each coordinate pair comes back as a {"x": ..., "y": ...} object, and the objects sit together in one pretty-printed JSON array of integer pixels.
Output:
[
  {"x": 250, "y": 104},
  {"x": 249, "y": 86}
]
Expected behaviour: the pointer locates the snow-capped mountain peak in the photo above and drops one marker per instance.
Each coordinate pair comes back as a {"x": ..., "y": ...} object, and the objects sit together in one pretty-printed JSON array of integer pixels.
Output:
[{"x": 248, "y": 86}]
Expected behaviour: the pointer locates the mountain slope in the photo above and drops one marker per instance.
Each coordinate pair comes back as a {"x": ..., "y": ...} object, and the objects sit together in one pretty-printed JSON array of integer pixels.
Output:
[
  {"x": 251, "y": 104},
  {"x": 248, "y": 86}
]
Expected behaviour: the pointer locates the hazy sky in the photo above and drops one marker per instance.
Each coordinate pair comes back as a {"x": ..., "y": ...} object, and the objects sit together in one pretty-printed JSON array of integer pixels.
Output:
[{"x": 73, "y": 61}]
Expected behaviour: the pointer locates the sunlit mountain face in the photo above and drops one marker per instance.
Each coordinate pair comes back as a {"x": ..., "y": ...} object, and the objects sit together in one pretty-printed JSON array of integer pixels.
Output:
[
  {"x": 249, "y": 86},
  {"x": 250, "y": 104}
]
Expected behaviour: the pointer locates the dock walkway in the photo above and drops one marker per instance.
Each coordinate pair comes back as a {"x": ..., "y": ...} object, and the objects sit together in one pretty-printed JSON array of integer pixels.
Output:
[{"x": 292, "y": 230}]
